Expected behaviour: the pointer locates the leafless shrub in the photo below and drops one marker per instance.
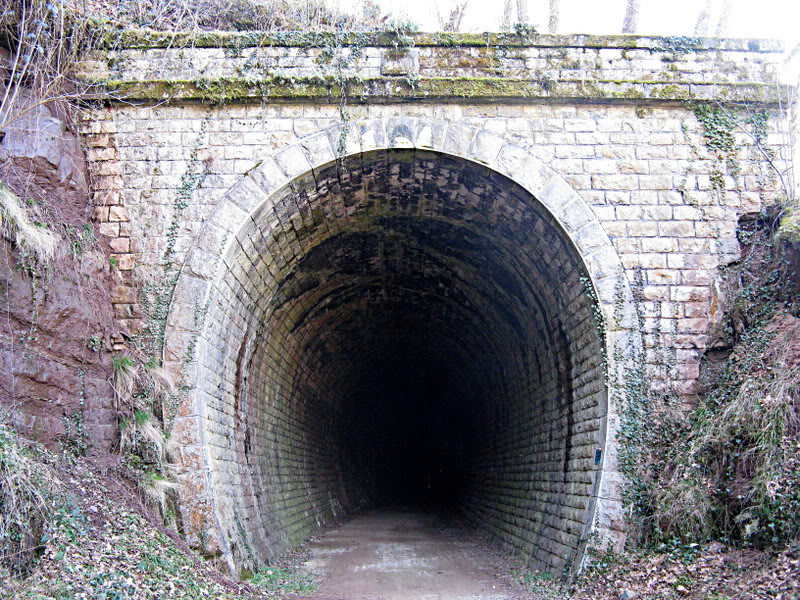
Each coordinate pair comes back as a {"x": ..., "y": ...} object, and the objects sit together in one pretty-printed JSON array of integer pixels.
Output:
[
  {"x": 30, "y": 496},
  {"x": 44, "y": 41},
  {"x": 246, "y": 15}
]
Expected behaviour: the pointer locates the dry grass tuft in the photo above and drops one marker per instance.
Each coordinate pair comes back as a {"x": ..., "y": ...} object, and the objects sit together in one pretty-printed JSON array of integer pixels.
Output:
[
  {"x": 16, "y": 226},
  {"x": 157, "y": 489},
  {"x": 142, "y": 391},
  {"x": 139, "y": 390},
  {"x": 737, "y": 460}
]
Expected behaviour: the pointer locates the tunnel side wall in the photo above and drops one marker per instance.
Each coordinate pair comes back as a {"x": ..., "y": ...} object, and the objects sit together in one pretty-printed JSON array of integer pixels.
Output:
[{"x": 531, "y": 483}]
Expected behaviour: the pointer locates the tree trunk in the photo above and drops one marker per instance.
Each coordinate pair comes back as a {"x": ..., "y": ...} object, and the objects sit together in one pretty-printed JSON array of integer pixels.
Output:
[
  {"x": 701, "y": 27},
  {"x": 552, "y": 25},
  {"x": 631, "y": 15},
  {"x": 522, "y": 11},
  {"x": 724, "y": 17},
  {"x": 507, "y": 15}
]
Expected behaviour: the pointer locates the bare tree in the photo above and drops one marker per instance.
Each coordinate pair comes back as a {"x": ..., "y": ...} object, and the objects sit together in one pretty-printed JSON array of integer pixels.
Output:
[
  {"x": 44, "y": 43},
  {"x": 507, "y": 14},
  {"x": 631, "y": 16},
  {"x": 552, "y": 25},
  {"x": 522, "y": 11},
  {"x": 701, "y": 27},
  {"x": 454, "y": 19},
  {"x": 508, "y": 9},
  {"x": 724, "y": 18}
]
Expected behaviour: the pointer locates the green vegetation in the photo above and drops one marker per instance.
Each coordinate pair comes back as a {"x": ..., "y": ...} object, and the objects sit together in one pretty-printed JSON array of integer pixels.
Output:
[
  {"x": 30, "y": 497},
  {"x": 544, "y": 584},
  {"x": 679, "y": 44},
  {"x": 76, "y": 438},
  {"x": 285, "y": 581},
  {"x": 61, "y": 542},
  {"x": 636, "y": 399},
  {"x": 95, "y": 343},
  {"x": 730, "y": 471},
  {"x": 718, "y": 132},
  {"x": 790, "y": 223},
  {"x": 80, "y": 240}
]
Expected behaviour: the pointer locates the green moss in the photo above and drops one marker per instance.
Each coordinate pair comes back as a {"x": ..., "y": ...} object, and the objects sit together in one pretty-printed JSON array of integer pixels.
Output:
[
  {"x": 222, "y": 90},
  {"x": 144, "y": 38},
  {"x": 790, "y": 224},
  {"x": 396, "y": 54},
  {"x": 672, "y": 92},
  {"x": 469, "y": 87},
  {"x": 234, "y": 89},
  {"x": 459, "y": 58},
  {"x": 630, "y": 94},
  {"x": 611, "y": 41}
]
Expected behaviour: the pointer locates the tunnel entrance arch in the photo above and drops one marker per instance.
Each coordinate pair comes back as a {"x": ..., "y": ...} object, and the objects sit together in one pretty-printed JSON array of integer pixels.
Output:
[{"x": 417, "y": 306}]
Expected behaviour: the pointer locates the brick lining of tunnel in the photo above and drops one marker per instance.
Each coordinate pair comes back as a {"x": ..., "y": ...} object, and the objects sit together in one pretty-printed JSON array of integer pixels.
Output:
[{"x": 394, "y": 249}]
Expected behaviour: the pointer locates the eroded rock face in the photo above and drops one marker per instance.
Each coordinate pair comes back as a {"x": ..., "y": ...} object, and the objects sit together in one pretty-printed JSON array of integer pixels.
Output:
[
  {"x": 42, "y": 161},
  {"x": 55, "y": 321},
  {"x": 37, "y": 134}
]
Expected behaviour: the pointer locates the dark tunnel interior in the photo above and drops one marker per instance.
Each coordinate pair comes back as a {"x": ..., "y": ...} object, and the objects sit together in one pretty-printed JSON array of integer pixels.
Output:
[
  {"x": 415, "y": 420},
  {"x": 404, "y": 327}
]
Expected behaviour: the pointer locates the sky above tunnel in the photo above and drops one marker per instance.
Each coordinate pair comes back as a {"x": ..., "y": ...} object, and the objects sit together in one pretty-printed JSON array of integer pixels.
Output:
[
  {"x": 748, "y": 18},
  {"x": 776, "y": 19}
]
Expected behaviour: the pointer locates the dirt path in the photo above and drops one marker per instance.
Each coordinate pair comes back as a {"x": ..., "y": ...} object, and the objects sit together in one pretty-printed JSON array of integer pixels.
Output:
[{"x": 403, "y": 555}]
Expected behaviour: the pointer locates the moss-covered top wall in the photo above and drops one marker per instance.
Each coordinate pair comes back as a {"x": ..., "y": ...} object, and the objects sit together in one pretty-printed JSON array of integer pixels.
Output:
[{"x": 225, "y": 67}]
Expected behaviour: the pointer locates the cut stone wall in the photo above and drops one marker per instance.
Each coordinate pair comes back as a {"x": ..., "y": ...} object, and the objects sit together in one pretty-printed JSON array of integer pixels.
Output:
[
  {"x": 644, "y": 172},
  {"x": 309, "y": 253},
  {"x": 302, "y": 66}
]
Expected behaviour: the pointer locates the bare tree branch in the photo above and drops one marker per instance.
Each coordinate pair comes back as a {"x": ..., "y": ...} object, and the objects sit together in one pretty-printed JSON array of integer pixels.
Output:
[
  {"x": 454, "y": 19},
  {"x": 631, "y": 17}
]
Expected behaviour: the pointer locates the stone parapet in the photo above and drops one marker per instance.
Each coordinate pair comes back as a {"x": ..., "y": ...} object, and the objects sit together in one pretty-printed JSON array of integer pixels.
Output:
[{"x": 308, "y": 67}]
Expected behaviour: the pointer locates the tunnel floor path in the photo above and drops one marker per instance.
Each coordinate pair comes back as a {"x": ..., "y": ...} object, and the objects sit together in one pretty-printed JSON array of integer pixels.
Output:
[{"x": 404, "y": 554}]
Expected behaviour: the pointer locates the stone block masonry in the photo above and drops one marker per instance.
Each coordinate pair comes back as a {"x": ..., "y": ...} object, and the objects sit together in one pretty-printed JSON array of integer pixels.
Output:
[{"x": 478, "y": 197}]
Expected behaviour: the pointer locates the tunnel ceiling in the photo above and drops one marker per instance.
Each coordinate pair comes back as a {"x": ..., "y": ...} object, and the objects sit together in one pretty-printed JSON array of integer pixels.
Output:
[{"x": 401, "y": 323}]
